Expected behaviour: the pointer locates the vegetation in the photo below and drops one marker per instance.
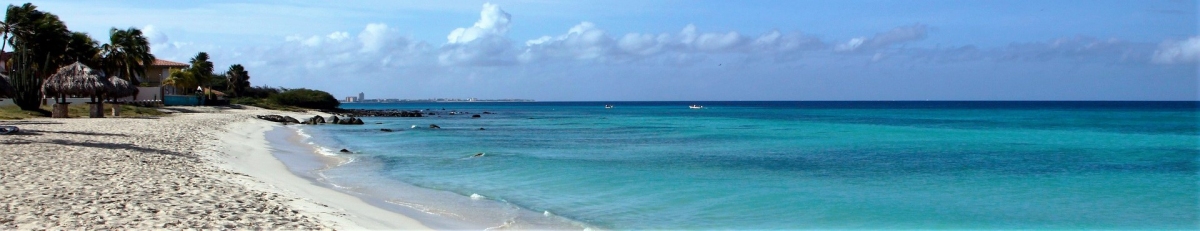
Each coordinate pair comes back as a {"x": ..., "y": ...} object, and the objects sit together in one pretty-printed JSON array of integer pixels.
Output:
[
  {"x": 42, "y": 43},
  {"x": 306, "y": 98},
  {"x": 287, "y": 99},
  {"x": 39, "y": 40},
  {"x": 127, "y": 54},
  {"x": 238, "y": 80},
  {"x": 198, "y": 75}
]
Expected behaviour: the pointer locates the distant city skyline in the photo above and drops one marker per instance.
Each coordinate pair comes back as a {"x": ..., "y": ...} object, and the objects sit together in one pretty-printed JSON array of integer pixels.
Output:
[{"x": 682, "y": 50}]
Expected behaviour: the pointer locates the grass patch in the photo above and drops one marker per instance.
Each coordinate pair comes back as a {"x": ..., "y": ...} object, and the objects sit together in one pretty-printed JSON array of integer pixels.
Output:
[{"x": 78, "y": 110}]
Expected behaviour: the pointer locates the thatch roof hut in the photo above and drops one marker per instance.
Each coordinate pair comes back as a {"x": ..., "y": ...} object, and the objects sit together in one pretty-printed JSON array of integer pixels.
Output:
[
  {"x": 121, "y": 88},
  {"x": 6, "y": 89},
  {"x": 76, "y": 79}
]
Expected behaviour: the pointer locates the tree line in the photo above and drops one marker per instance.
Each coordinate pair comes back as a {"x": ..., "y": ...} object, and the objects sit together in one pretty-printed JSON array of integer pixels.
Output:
[{"x": 41, "y": 43}]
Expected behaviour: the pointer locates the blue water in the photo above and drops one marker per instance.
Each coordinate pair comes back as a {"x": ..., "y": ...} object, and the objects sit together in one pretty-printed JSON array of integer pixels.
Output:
[{"x": 790, "y": 165}]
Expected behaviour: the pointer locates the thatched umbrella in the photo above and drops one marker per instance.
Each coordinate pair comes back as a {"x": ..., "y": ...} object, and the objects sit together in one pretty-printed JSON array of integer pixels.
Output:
[
  {"x": 76, "y": 79},
  {"x": 5, "y": 88},
  {"x": 120, "y": 88}
]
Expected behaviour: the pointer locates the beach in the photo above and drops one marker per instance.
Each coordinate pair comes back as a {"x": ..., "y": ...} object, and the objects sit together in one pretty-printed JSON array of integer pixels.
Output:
[{"x": 202, "y": 167}]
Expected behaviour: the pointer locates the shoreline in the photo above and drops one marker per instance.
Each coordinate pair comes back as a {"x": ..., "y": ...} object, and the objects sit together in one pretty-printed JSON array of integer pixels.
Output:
[
  {"x": 199, "y": 168},
  {"x": 437, "y": 209},
  {"x": 260, "y": 160}
]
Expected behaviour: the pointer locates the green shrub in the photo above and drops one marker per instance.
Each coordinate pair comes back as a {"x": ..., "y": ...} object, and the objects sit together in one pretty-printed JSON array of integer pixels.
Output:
[{"x": 306, "y": 98}]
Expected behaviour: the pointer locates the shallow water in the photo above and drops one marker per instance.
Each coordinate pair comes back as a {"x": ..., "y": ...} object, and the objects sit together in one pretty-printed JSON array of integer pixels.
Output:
[{"x": 784, "y": 165}]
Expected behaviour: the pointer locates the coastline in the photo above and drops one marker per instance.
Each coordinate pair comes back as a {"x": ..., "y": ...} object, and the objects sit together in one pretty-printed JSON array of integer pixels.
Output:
[
  {"x": 202, "y": 167},
  {"x": 267, "y": 172}
]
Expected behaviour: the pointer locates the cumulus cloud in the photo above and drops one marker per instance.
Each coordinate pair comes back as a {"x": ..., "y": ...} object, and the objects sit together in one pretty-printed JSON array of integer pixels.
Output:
[
  {"x": 1076, "y": 48},
  {"x": 376, "y": 47},
  {"x": 583, "y": 41},
  {"x": 153, "y": 35},
  {"x": 586, "y": 41},
  {"x": 898, "y": 35},
  {"x": 484, "y": 43},
  {"x": 1172, "y": 52}
]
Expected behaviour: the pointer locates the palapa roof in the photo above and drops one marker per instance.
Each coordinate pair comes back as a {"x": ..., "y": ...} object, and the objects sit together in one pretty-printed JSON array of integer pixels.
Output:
[
  {"x": 167, "y": 63},
  {"x": 121, "y": 88},
  {"x": 5, "y": 87},
  {"x": 76, "y": 79}
]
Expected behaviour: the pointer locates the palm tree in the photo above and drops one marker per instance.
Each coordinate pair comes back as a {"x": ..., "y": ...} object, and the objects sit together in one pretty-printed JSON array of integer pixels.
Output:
[
  {"x": 182, "y": 79},
  {"x": 202, "y": 69},
  {"x": 40, "y": 43},
  {"x": 127, "y": 54},
  {"x": 82, "y": 48},
  {"x": 239, "y": 79}
]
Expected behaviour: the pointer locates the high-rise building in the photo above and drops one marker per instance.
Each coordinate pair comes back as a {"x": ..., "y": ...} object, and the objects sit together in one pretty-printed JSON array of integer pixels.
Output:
[{"x": 361, "y": 97}]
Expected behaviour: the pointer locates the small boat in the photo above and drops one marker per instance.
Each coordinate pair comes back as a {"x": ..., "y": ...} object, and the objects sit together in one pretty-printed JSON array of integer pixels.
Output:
[
  {"x": 608, "y": 106},
  {"x": 696, "y": 106}
]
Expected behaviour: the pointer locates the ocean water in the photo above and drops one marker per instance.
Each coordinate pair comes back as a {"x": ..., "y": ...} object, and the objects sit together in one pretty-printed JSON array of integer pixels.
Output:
[{"x": 781, "y": 165}]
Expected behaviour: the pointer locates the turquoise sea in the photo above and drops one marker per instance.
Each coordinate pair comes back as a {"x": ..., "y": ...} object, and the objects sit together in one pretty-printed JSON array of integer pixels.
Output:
[{"x": 778, "y": 165}]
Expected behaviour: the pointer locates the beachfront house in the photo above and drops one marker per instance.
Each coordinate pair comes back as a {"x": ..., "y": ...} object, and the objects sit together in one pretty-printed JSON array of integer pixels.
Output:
[{"x": 152, "y": 87}]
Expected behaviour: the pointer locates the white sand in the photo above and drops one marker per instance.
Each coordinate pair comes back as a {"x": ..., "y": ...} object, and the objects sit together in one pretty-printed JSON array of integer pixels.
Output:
[{"x": 205, "y": 170}]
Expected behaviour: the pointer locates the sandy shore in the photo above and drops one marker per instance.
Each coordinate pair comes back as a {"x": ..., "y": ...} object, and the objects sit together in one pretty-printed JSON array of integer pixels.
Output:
[{"x": 206, "y": 168}]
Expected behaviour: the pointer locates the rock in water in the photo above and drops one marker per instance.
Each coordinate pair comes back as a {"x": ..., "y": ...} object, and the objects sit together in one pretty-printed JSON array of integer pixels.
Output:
[
  {"x": 475, "y": 116},
  {"x": 334, "y": 120},
  {"x": 316, "y": 120},
  {"x": 386, "y": 130},
  {"x": 434, "y": 126},
  {"x": 344, "y": 151}
]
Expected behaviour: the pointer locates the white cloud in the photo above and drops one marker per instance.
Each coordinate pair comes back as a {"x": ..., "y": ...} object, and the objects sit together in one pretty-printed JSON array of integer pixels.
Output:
[
  {"x": 482, "y": 44},
  {"x": 153, "y": 35},
  {"x": 642, "y": 44},
  {"x": 583, "y": 41},
  {"x": 1171, "y": 52},
  {"x": 898, "y": 35},
  {"x": 493, "y": 21},
  {"x": 1078, "y": 48},
  {"x": 374, "y": 37},
  {"x": 586, "y": 41}
]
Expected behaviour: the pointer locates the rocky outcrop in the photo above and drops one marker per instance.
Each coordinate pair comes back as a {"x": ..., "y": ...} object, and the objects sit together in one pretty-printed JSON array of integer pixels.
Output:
[
  {"x": 278, "y": 118},
  {"x": 349, "y": 120},
  {"x": 434, "y": 126},
  {"x": 315, "y": 120}
]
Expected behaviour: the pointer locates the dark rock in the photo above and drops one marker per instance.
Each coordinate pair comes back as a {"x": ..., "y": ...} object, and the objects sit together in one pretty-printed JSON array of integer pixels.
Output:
[
  {"x": 386, "y": 130},
  {"x": 334, "y": 120},
  {"x": 475, "y": 116},
  {"x": 315, "y": 120},
  {"x": 278, "y": 118},
  {"x": 434, "y": 126},
  {"x": 481, "y": 129},
  {"x": 345, "y": 151},
  {"x": 485, "y": 112}
]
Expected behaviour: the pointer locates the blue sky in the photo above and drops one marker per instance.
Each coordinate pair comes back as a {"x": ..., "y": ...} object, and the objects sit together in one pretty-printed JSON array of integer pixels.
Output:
[{"x": 682, "y": 50}]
